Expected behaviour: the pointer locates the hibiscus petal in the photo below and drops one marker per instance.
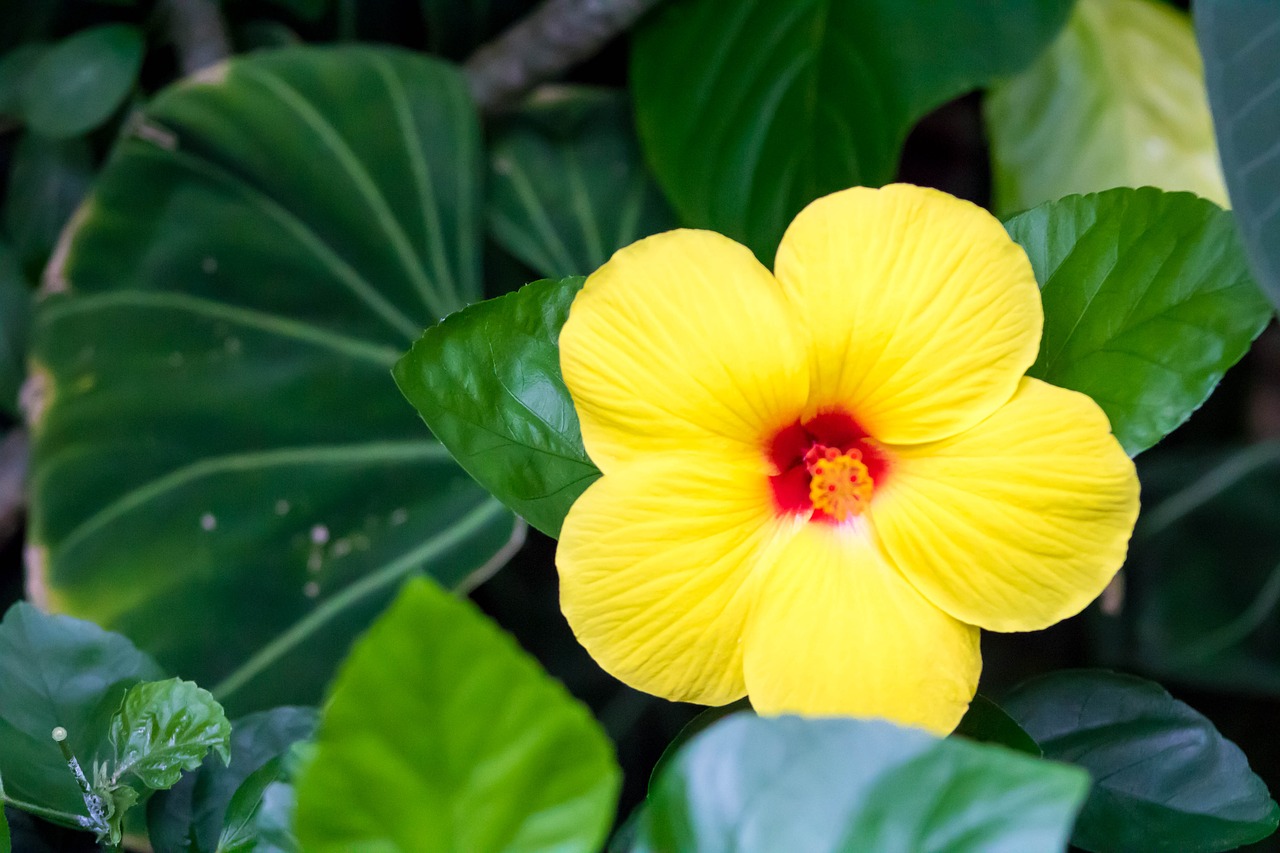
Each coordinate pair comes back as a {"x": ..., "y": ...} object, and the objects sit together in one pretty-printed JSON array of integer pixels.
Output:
[
  {"x": 681, "y": 341},
  {"x": 923, "y": 312},
  {"x": 656, "y": 572},
  {"x": 837, "y": 631},
  {"x": 1017, "y": 523}
]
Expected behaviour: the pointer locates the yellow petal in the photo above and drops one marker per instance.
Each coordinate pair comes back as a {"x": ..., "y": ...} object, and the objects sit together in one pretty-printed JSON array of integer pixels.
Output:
[
  {"x": 656, "y": 576},
  {"x": 923, "y": 312},
  {"x": 681, "y": 341},
  {"x": 1019, "y": 522},
  {"x": 837, "y": 631}
]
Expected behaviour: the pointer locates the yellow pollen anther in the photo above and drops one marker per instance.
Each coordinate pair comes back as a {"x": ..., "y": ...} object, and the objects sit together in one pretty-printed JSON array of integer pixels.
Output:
[{"x": 841, "y": 486}]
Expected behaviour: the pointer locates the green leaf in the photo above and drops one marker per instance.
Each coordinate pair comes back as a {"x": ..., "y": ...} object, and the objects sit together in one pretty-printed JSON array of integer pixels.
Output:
[
  {"x": 260, "y": 815},
  {"x": 58, "y": 671},
  {"x": 487, "y": 382},
  {"x": 748, "y": 113},
  {"x": 47, "y": 181},
  {"x": 79, "y": 82},
  {"x": 1147, "y": 302},
  {"x": 1241, "y": 45},
  {"x": 15, "y": 317},
  {"x": 567, "y": 185},
  {"x": 987, "y": 722},
  {"x": 223, "y": 469},
  {"x": 696, "y": 726},
  {"x": 190, "y": 816},
  {"x": 15, "y": 67},
  {"x": 1165, "y": 778},
  {"x": 1117, "y": 101},
  {"x": 164, "y": 728},
  {"x": 4, "y": 831},
  {"x": 440, "y": 727},
  {"x": 455, "y": 28},
  {"x": 758, "y": 785}
]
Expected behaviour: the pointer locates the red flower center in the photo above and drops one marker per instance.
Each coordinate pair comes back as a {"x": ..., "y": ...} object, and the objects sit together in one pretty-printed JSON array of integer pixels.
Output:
[{"x": 827, "y": 467}]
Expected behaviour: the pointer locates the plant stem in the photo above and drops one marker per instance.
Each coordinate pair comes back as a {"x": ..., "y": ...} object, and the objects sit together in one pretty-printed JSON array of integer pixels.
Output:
[
  {"x": 199, "y": 33},
  {"x": 553, "y": 38}
]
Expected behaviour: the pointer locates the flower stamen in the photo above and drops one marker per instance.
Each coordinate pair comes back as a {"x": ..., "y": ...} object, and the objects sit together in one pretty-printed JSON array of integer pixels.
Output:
[{"x": 840, "y": 483}]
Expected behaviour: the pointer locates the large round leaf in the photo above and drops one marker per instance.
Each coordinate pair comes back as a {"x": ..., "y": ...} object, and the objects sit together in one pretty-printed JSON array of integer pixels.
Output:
[
  {"x": 1165, "y": 778},
  {"x": 1117, "y": 101},
  {"x": 748, "y": 111},
  {"x": 224, "y": 470}
]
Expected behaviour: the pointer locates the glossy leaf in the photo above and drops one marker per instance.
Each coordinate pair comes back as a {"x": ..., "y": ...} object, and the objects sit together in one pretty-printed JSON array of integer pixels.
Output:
[
  {"x": 696, "y": 726},
  {"x": 1118, "y": 100},
  {"x": 189, "y": 817},
  {"x": 1147, "y": 300},
  {"x": 567, "y": 185},
  {"x": 487, "y": 382},
  {"x": 164, "y": 728},
  {"x": 223, "y": 469},
  {"x": 260, "y": 815},
  {"x": 1240, "y": 41},
  {"x": 748, "y": 113},
  {"x": 440, "y": 727},
  {"x": 15, "y": 317},
  {"x": 758, "y": 785},
  {"x": 987, "y": 722},
  {"x": 82, "y": 80},
  {"x": 1165, "y": 779},
  {"x": 58, "y": 671},
  {"x": 47, "y": 181}
]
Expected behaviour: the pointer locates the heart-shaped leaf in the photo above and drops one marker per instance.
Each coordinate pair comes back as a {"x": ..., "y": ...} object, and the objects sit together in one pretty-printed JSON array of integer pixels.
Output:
[
  {"x": 1165, "y": 779},
  {"x": 487, "y": 382},
  {"x": 223, "y": 468},
  {"x": 1241, "y": 45},
  {"x": 433, "y": 703},
  {"x": 757, "y": 785},
  {"x": 1118, "y": 100},
  {"x": 1147, "y": 301},
  {"x": 56, "y": 671},
  {"x": 747, "y": 113},
  {"x": 567, "y": 185},
  {"x": 76, "y": 85}
]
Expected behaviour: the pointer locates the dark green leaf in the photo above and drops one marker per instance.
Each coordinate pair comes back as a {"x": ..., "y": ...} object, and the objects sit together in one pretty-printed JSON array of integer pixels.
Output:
[
  {"x": 1147, "y": 302},
  {"x": 47, "y": 181},
  {"x": 164, "y": 728},
  {"x": 440, "y": 727},
  {"x": 1118, "y": 100},
  {"x": 15, "y": 67},
  {"x": 487, "y": 381},
  {"x": 748, "y": 112},
  {"x": 58, "y": 671},
  {"x": 79, "y": 83},
  {"x": 457, "y": 27},
  {"x": 4, "y": 831},
  {"x": 695, "y": 726},
  {"x": 223, "y": 468},
  {"x": 262, "y": 806},
  {"x": 1165, "y": 778},
  {"x": 757, "y": 785},
  {"x": 987, "y": 722},
  {"x": 567, "y": 185},
  {"x": 190, "y": 816},
  {"x": 15, "y": 316},
  {"x": 1240, "y": 41}
]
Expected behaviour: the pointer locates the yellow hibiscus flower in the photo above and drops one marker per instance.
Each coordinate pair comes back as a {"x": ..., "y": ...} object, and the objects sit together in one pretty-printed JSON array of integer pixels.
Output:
[{"x": 819, "y": 484}]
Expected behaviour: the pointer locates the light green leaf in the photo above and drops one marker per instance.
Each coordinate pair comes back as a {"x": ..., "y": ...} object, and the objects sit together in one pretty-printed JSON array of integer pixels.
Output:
[
  {"x": 750, "y": 111},
  {"x": 58, "y": 671},
  {"x": 439, "y": 727},
  {"x": 487, "y": 382},
  {"x": 1147, "y": 300},
  {"x": 164, "y": 728},
  {"x": 1118, "y": 100},
  {"x": 189, "y": 817},
  {"x": 1165, "y": 778},
  {"x": 1241, "y": 45},
  {"x": 567, "y": 185},
  {"x": 758, "y": 785},
  {"x": 47, "y": 180},
  {"x": 77, "y": 84},
  {"x": 223, "y": 469}
]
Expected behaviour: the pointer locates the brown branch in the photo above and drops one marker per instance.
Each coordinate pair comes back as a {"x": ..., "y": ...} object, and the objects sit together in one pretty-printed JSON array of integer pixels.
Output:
[
  {"x": 553, "y": 38},
  {"x": 199, "y": 33}
]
